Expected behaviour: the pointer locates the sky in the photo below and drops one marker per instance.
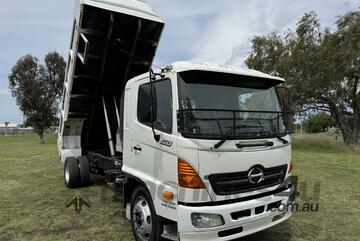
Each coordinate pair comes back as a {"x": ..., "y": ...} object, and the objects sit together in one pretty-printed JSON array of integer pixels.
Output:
[{"x": 217, "y": 31}]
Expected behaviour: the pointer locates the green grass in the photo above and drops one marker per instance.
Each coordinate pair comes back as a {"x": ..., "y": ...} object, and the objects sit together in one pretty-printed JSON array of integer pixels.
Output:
[{"x": 33, "y": 197}]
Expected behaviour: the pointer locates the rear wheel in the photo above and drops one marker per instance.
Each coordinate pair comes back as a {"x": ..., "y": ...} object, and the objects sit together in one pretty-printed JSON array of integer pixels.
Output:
[
  {"x": 84, "y": 166},
  {"x": 145, "y": 223},
  {"x": 72, "y": 173}
]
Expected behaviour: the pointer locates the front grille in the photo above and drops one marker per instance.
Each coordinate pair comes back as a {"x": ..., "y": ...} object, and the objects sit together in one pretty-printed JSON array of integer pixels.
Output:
[{"x": 238, "y": 182}]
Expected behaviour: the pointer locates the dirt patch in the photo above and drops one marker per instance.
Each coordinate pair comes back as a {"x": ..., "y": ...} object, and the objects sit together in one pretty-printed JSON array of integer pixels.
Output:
[
  {"x": 6, "y": 237},
  {"x": 48, "y": 231}
]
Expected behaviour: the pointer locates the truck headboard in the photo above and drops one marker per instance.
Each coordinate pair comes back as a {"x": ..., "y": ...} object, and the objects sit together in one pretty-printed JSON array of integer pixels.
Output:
[{"x": 112, "y": 41}]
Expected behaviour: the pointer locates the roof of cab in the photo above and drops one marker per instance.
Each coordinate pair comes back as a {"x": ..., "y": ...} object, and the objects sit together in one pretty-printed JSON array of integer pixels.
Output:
[
  {"x": 203, "y": 66},
  {"x": 138, "y": 8},
  {"x": 183, "y": 66}
]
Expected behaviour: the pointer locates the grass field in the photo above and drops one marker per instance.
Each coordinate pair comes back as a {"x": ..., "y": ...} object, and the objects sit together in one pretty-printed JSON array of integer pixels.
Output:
[{"x": 33, "y": 198}]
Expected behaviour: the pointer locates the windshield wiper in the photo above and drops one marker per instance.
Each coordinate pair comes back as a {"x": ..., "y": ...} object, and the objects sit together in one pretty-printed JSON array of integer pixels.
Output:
[
  {"x": 230, "y": 132},
  {"x": 284, "y": 141}
]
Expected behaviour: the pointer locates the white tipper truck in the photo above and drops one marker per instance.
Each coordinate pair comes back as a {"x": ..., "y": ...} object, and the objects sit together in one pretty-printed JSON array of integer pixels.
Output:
[{"x": 197, "y": 151}]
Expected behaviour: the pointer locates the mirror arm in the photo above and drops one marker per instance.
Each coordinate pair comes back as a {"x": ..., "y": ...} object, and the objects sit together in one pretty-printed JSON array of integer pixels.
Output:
[{"x": 156, "y": 136}]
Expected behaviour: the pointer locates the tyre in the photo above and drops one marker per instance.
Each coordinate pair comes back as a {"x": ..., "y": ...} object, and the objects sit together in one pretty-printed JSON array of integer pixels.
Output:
[
  {"x": 145, "y": 223},
  {"x": 72, "y": 173},
  {"x": 84, "y": 166}
]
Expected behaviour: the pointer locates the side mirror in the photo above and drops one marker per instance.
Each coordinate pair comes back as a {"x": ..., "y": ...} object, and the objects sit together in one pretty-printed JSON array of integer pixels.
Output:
[
  {"x": 284, "y": 97},
  {"x": 285, "y": 101},
  {"x": 147, "y": 110}
]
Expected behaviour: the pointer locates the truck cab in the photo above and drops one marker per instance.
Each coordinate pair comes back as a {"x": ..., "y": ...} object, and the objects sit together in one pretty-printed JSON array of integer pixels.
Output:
[{"x": 222, "y": 152}]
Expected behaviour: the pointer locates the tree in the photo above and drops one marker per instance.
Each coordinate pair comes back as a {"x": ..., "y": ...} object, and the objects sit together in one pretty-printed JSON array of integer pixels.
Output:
[
  {"x": 321, "y": 66},
  {"x": 319, "y": 123},
  {"x": 37, "y": 89}
]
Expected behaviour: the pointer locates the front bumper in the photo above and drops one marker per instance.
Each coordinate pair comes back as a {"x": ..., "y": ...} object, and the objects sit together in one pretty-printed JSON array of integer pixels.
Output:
[{"x": 235, "y": 227}]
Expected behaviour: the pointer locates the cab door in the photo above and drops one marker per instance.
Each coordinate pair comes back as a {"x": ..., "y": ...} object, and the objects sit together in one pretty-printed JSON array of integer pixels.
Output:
[{"x": 154, "y": 162}]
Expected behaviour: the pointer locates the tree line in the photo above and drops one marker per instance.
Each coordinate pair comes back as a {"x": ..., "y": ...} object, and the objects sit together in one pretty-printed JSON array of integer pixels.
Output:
[
  {"x": 37, "y": 88},
  {"x": 321, "y": 66}
]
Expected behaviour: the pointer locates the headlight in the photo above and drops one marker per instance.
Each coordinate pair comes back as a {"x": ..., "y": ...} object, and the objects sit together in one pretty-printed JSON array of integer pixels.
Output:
[{"x": 206, "y": 220}]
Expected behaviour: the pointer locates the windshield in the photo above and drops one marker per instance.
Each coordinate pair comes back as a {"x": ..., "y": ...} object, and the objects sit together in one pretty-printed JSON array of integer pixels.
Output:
[{"x": 213, "y": 104}]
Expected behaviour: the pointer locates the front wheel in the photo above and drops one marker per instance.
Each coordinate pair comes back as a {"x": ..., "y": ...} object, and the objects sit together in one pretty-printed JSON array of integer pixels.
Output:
[{"x": 145, "y": 223}]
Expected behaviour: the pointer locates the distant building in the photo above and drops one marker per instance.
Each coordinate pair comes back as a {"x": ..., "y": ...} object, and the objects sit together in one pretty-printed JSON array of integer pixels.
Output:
[
  {"x": 10, "y": 125},
  {"x": 14, "y": 129}
]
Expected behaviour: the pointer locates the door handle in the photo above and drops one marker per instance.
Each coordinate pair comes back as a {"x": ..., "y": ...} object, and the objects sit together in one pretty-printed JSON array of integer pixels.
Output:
[{"x": 137, "y": 148}]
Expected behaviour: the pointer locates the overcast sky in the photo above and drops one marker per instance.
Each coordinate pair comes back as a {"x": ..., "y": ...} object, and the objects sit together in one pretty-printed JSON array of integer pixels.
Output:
[{"x": 205, "y": 30}]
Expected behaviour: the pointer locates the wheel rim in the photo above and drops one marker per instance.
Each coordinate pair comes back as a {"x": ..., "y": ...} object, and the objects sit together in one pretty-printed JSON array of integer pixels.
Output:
[
  {"x": 67, "y": 173},
  {"x": 141, "y": 218}
]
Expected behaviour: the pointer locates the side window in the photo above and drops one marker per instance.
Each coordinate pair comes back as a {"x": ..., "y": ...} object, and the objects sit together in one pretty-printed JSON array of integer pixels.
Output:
[{"x": 162, "y": 105}]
